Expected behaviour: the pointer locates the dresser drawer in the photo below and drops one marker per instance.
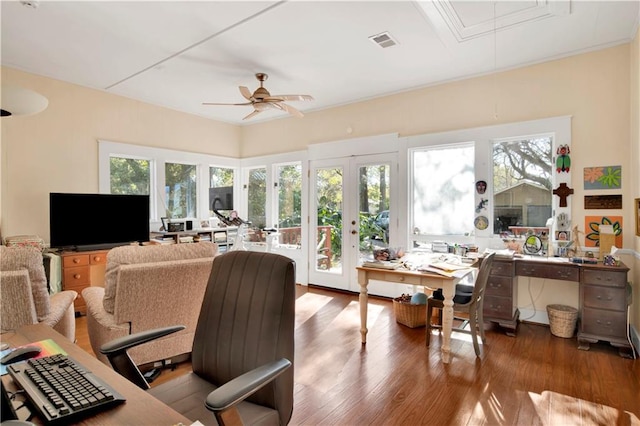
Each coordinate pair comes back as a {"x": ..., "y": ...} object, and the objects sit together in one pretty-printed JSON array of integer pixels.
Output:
[
  {"x": 601, "y": 297},
  {"x": 71, "y": 261},
  {"x": 76, "y": 277},
  {"x": 555, "y": 272},
  {"x": 498, "y": 307},
  {"x": 499, "y": 286},
  {"x": 98, "y": 258},
  {"x": 605, "y": 278},
  {"x": 604, "y": 323}
]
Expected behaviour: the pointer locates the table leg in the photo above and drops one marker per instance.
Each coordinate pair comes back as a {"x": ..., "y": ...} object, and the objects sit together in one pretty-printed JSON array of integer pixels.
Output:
[
  {"x": 447, "y": 321},
  {"x": 363, "y": 280}
]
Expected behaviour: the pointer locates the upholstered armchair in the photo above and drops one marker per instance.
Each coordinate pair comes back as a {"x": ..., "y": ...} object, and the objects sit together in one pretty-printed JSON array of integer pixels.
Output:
[
  {"x": 148, "y": 287},
  {"x": 24, "y": 298}
]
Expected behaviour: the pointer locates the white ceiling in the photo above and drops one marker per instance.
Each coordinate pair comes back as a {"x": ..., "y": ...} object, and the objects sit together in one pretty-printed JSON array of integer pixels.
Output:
[{"x": 180, "y": 54}]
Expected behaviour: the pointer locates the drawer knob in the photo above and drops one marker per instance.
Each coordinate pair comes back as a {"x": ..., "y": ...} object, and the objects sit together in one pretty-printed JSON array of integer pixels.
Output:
[
  {"x": 76, "y": 260},
  {"x": 97, "y": 258},
  {"x": 76, "y": 276},
  {"x": 401, "y": 279}
]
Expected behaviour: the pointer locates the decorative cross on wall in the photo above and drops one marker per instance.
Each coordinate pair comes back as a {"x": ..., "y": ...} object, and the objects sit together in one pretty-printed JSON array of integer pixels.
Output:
[{"x": 563, "y": 191}]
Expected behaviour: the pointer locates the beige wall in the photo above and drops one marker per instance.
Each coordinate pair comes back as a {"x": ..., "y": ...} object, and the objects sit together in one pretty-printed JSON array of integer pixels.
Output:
[{"x": 57, "y": 149}]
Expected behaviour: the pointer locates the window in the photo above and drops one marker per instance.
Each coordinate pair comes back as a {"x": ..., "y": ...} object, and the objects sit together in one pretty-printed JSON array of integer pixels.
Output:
[
  {"x": 129, "y": 176},
  {"x": 443, "y": 190},
  {"x": 522, "y": 184},
  {"x": 257, "y": 197},
  {"x": 289, "y": 195},
  {"x": 180, "y": 190},
  {"x": 220, "y": 177}
]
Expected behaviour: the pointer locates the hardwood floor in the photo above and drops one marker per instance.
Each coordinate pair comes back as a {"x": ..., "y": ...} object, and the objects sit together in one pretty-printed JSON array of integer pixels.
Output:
[{"x": 532, "y": 379}]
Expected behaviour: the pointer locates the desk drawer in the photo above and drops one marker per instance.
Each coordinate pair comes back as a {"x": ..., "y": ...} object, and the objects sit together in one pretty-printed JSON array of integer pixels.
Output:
[
  {"x": 98, "y": 258},
  {"x": 499, "y": 286},
  {"x": 555, "y": 272},
  {"x": 498, "y": 307},
  {"x": 501, "y": 268},
  {"x": 604, "y": 323},
  {"x": 601, "y": 297},
  {"x": 605, "y": 278}
]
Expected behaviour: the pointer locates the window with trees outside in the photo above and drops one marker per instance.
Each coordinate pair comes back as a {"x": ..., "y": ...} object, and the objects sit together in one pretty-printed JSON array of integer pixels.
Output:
[
  {"x": 522, "y": 183},
  {"x": 220, "y": 177},
  {"x": 180, "y": 190},
  {"x": 129, "y": 176},
  {"x": 257, "y": 197}
]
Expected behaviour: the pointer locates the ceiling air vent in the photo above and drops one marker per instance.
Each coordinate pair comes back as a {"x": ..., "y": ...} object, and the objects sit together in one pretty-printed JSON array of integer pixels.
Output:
[{"x": 383, "y": 40}]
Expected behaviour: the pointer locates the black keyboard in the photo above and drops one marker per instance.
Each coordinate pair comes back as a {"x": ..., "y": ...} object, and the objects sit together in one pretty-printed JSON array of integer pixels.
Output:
[{"x": 61, "y": 390}]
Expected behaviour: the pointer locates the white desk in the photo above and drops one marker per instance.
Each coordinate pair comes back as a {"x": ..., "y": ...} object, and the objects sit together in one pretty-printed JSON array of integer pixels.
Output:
[{"x": 403, "y": 276}]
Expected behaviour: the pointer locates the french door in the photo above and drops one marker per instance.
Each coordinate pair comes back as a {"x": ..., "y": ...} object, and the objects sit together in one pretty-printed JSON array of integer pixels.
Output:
[{"x": 351, "y": 214}]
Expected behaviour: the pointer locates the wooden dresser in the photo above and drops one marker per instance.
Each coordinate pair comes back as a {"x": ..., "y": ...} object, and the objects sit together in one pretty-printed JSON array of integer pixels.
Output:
[{"x": 81, "y": 270}]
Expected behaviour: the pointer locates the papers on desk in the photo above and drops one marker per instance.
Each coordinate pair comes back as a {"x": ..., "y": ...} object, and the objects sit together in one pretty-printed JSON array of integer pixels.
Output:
[
  {"x": 382, "y": 265},
  {"x": 446, "y": 269}
]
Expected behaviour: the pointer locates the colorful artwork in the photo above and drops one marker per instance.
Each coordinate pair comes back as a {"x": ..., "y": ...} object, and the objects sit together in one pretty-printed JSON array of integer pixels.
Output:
[
  {"x": 592, "y": 227},
  {"x": 606, "y": 177},
  {"x": 563, "y": 162}
]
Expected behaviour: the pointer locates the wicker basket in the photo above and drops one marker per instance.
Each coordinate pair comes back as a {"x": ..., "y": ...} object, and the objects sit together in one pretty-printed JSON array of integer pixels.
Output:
[
  {"x": 410, "y": 314},
  {"x": 562, "y": 320}
]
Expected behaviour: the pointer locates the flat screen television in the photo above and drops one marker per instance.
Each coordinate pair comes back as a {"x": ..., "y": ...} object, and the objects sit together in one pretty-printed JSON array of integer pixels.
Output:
[
  {"x": 97, "y": 221},
  {"x": 221, "y": 198}
]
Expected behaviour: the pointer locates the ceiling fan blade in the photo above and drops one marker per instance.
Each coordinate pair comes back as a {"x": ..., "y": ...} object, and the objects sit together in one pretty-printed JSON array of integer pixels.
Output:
[
  {"x": 215, "y": 103},
  {"x": 246, "y": 93},
  {"x": 289, "y": 98},
  {"x": 254, "y": 113},
  {"x": 291, "y": 110}
]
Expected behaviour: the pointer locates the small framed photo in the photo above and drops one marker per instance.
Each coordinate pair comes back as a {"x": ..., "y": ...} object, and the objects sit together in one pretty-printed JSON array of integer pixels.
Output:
[
  {"x": 165, "y": 223},
  {"x": 637, "y": 216}
]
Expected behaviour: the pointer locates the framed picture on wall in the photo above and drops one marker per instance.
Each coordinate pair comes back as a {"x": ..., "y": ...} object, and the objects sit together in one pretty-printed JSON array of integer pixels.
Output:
[{"x": 638, "y": 217}]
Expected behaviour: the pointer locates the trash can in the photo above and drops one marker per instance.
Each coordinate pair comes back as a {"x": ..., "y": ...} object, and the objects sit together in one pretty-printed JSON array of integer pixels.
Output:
[{"x": 562, "y": 320}]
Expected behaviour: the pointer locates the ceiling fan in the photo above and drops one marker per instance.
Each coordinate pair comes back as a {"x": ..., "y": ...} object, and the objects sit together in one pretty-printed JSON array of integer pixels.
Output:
[{"x": 262, "y": 100}]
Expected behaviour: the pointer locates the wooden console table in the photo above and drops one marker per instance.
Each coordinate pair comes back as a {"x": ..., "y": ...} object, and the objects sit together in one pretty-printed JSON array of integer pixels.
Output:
[
  {"x": 403, "y": 276},
  {"x": 140, "y": 408}
]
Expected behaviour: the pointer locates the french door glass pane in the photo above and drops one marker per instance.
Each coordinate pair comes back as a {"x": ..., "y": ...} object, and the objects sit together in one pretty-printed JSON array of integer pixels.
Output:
[
  {"x": 257, "y": 197},
  {"x": 180, "y": 190},
  {"x": 373, "y": 207},
  {"x": 443, "y": 190},
  {"x": 290, "y": 204},
  {"x": 329, "y": 227},
  {"x": 130, "y": 176}
]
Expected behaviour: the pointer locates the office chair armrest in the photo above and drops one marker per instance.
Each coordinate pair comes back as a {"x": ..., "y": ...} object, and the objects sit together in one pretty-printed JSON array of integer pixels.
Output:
[
  {"x": 116, "y": 352},
  {"x": 238, "y": 389}
]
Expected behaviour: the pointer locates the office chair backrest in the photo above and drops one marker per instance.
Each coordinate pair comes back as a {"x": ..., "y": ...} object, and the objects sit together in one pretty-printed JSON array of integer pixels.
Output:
[
  {"x": 247, "y": 319},
  {"x": 482, "y": 279}
]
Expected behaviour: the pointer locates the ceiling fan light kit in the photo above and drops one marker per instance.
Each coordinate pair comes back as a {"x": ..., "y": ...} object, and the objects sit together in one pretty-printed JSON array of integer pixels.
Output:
[
  {"x": 20, "y": 101},
  {"x": 262, "y": 100}
]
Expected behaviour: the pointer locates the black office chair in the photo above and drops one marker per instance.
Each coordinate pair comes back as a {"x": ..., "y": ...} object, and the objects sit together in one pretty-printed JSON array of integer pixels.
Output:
[
  {"x": 243, "y": 347},
  {"x": 468, "y": 299}
]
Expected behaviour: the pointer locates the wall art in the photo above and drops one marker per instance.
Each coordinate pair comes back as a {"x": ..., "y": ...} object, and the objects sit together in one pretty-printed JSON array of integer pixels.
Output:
[
  {"x": 592, "y": 229},
  {"x": 563, "y": 161},
  {"x": 603, "y": 202},
  {"x": 604, "y": 177}
]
